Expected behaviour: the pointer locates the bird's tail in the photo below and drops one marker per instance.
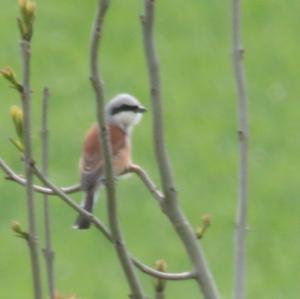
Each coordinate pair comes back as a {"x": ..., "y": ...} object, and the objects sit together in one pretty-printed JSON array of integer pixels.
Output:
[{"x": 83, "y": 222}]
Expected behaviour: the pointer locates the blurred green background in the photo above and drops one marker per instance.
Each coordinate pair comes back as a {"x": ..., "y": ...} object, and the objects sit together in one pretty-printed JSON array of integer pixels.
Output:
[{"x": 194, "y": 44}]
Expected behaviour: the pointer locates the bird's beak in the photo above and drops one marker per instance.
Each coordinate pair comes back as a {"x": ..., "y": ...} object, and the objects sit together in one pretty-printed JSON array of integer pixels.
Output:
[{"x": 142, "y": 109}]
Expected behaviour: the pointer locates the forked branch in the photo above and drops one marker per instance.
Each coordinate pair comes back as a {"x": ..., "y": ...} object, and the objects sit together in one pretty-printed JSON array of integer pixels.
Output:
[{"x": 52, "y": 189}]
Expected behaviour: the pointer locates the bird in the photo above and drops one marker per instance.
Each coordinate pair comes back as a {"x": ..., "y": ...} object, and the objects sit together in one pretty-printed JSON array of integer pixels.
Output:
[{"x": 122, "y": 113}]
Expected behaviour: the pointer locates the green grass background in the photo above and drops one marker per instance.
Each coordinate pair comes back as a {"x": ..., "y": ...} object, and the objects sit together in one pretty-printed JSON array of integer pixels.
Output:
[{"x": 194, "y": 44}]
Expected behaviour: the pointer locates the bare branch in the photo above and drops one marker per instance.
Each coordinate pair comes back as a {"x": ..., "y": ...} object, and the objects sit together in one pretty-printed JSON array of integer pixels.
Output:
[
  {"x": 11, "y": 175},
  {"x": 26, "y": 103},
  {"x": 162, "y": 275},
  {"x": 147, "y": 181},
  {"x": 170, "y": 204},
  {"x": 48, "y": 251},
  {"x": 242, "y": 210},
  {"x": 95, "y": 76}
]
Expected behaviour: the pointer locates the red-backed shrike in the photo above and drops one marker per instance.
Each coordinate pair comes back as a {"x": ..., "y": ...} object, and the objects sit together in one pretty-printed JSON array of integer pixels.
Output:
[{"x": 122, "y": 113}]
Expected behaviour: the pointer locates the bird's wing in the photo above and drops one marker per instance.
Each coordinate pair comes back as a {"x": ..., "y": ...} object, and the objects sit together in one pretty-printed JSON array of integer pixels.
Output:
[
  {"x": 91, "y": 163},
  {"x": 92, "y": 154}
]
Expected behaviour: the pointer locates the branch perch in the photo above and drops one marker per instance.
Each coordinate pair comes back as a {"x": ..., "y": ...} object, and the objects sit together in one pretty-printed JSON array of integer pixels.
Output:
[
  {"x": 62, "y": 193},
  {"x": 141, "y": 173},
  {"x": 11, "y": 175}
]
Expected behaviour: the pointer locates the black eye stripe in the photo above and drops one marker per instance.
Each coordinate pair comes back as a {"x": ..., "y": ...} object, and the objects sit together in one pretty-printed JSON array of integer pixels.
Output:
[{"x": 125, "y": 107}]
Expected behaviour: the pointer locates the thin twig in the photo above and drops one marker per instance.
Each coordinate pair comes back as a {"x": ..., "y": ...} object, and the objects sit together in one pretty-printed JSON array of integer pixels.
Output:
[
  {"x": 163, "y": 275},
  {"x": 48, "y": 251},
  {"x": 12, "y": 176},
  {"x": 95, "y": 76},
  {"x": 170, "y": 204},
  {"x": 142, "y": 174},
  {"x": 242, "y": 209},
  {"x": 26, "y": 103}
]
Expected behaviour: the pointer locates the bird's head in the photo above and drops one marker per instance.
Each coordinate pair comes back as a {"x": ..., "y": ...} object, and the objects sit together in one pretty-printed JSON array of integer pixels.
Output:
[{"x": 124, "y": 111}]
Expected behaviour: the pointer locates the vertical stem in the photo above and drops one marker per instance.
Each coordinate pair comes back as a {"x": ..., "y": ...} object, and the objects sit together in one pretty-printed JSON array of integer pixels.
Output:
[
  {"x": 241, "y": 218},
  {"x": 47, "y": 251},
  {"x": 95, "y": 76},
  {"x": 26, "y": 102},
  {"x": 155, "y": 89},
  {"x": 170, "y": 203}
]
